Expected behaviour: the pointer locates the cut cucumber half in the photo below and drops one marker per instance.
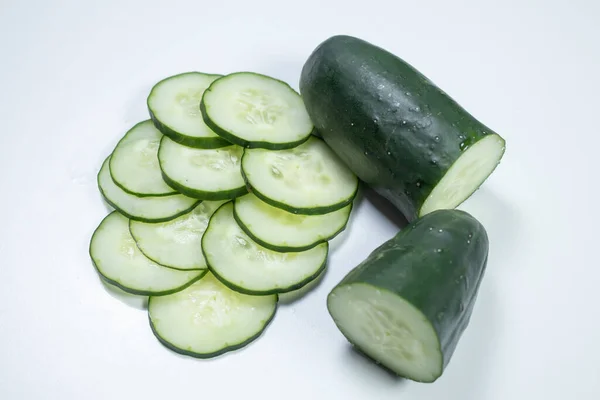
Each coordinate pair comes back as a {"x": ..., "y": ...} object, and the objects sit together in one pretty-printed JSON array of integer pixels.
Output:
[
  {"x": 207, "y": 174},
  {"x": 247, "y": 267},
  {"x": 308, "y": 179},
  {"x": 254, "y": 110},
  {"x": 146, "y": 209},
  {"x": 280, "y": 230},
  {"x": 120, "y": 263},
  {"x": 176, "y": 243},
  {"x": 134, "y": 164},
  {"x": 208, "y": 319},
  {"x": 174, "y": 106}
]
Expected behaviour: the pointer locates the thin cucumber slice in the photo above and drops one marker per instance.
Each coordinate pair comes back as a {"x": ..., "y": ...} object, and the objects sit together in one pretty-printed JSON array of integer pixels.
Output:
[
  {"x": 174, "y": 106},
  {"x": 134, "y": 164},
  {"x": 207, "y": 174},
  {"x": 254, "y": 110},
  {"x": 146, "y": 209},
  {"x": 280, "y": 230},
  {"x": 119, "y": 262},
  {"x": 176, "y": 243},
  {"x": 308, "y": 179},
  {"x": 208, "y": 319},
  {"x": 247, "y": 267}
]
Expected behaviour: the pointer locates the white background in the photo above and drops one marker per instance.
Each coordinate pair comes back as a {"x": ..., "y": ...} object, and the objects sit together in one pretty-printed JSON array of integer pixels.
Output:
[{"x": 74, "y": 77}]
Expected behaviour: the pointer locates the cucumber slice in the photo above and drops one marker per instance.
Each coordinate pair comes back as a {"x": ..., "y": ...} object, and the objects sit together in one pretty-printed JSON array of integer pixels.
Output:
[
  {"x": 208, "y": 319},
  {"x": 247, "y": 267},
  {"x": 134, "y": 164},
  {"x": 147, "y": 209},
  {"x": 176, "y": 243},
  {"x": 207, "y": 174},
  {"x": 119, "y": 262},
  {"x": 308, "y": 179},
  {"x": 279, "y": 230},
  {"x": 254, "y": 110},
  {"x": 174, "y": 106}
]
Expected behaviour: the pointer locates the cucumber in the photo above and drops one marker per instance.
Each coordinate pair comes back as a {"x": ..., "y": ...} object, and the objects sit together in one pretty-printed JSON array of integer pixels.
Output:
[
  {"x": 174, "y": 106},
  {"x": 134, "y": 164},
  {"x": 254, "y": 110},
  {"x": 407, "y": 305},
  {"x": 308, "y": 179},
  {"x": 120, "y": 263},
  {"x": 176, "y": 243},
  {"x": 208, "y": 319},
  {"x": 207, "y": 174},
  {"x": 146, "y": 209},
  {"x": 279, "y": 230},
  {"x": 245, "y": 266},
  {"x": 396, "y": 130}
]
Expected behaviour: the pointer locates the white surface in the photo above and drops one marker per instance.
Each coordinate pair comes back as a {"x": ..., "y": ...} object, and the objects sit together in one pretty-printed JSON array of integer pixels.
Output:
[{"x": 74, "y": 78}]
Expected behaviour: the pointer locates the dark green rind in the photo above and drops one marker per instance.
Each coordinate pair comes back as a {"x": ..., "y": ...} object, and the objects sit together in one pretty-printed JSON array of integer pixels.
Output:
[
  {"x": 232, "y": 138},
  {"x": 220, "y": 352},
  {"x": 394, "y": 128},
  {"x": 442, "y": 285},
  {"x": 289, "y": 249},
  {"x": 202, "y": 195}
]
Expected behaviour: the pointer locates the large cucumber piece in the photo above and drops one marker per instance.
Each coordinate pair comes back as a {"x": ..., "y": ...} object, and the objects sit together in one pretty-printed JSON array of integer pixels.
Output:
[
  {"x": 407, "y": 305},
  {"x": 395, "y": 129}
]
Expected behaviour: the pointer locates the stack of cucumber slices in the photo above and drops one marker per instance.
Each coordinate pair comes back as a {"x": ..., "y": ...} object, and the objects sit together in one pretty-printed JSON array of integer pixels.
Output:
[{"x": 223, "y": 199}]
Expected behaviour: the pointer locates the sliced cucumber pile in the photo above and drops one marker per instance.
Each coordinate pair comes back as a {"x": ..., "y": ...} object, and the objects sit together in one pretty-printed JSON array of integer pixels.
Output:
[{"x": 223, "y": 200}]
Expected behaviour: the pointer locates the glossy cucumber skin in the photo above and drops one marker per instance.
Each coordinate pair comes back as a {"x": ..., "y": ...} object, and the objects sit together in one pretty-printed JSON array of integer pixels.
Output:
[
  {"x": 390, "y": 124},
  {"x": 437, "y": 264}
]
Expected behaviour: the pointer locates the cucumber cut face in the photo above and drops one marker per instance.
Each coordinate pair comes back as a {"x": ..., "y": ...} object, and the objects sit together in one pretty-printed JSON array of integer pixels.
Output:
[
  {"x": 119, "y": 262},
  {"x": 207, "y": 174},
  {"x": 134, "y": 163},
  {"x": 280, "y": 230},
  {"x": 176, "y": 243},
  {"x": 174, "y": 106},
  {"x": 245, "y": 266},
  {"x": 466, "y": 175},
  {"x": 254, "y": 110},
  {"x": 388, "y": 329},
  {"x": 308, "y": 179},
  {"x": 147, "y": 209},
  {"x": 208, "y": 319}
]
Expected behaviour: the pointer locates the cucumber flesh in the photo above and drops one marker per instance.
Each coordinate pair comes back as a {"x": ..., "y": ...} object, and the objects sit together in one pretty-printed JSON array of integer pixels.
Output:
[
  {"x": 280, "y": 230},
  {"x": 208, "y": 319},
  {"x": 134, "y": 163},
  {"x": 387, "y": 328},
  {"x": 245, "y": 266},
  {"x": 119, "y": 262},
  {"x": 176, "y": 243},
  {"x": 207, "y": 174},
  {"x": 254, "y": 110},
  {"x": 466, "y": 174},
  {"x": 174, "y": 106},
  {"x": 308, "y": 179},
  {"x": 147, "y": 209}
]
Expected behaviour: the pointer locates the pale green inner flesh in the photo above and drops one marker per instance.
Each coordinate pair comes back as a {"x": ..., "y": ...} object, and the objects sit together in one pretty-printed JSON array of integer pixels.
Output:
[
  {"x": 209, "y": 170},
  {"x": 257, "y": 108},
  {"x": 281, "y": 228},
  {"x": 142, "y": 207},
  {"x": 134, "y": 162},
  {"x": 175, "y": 102},
  {"x": 466, "y": 174},
  {"x": 118, "y": 258},
  {"x": 309, "y": 175},
  {"x": 388, "y": 329},
  {"x": 239, "y": 260},
  {"x": 208, "y": 317},
  {"x": 176, "y": 243}
]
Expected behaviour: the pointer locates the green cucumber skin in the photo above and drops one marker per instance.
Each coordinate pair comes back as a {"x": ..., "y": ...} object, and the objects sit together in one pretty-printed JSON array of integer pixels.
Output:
[
  {"x": 437, "y": 272},
  {"x": 390, "y": 124},
  {"x": 203, "y": 195}
]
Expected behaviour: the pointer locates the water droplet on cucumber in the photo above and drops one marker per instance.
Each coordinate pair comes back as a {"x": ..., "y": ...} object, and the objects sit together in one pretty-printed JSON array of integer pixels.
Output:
[{"x": 437, "y": 138}]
